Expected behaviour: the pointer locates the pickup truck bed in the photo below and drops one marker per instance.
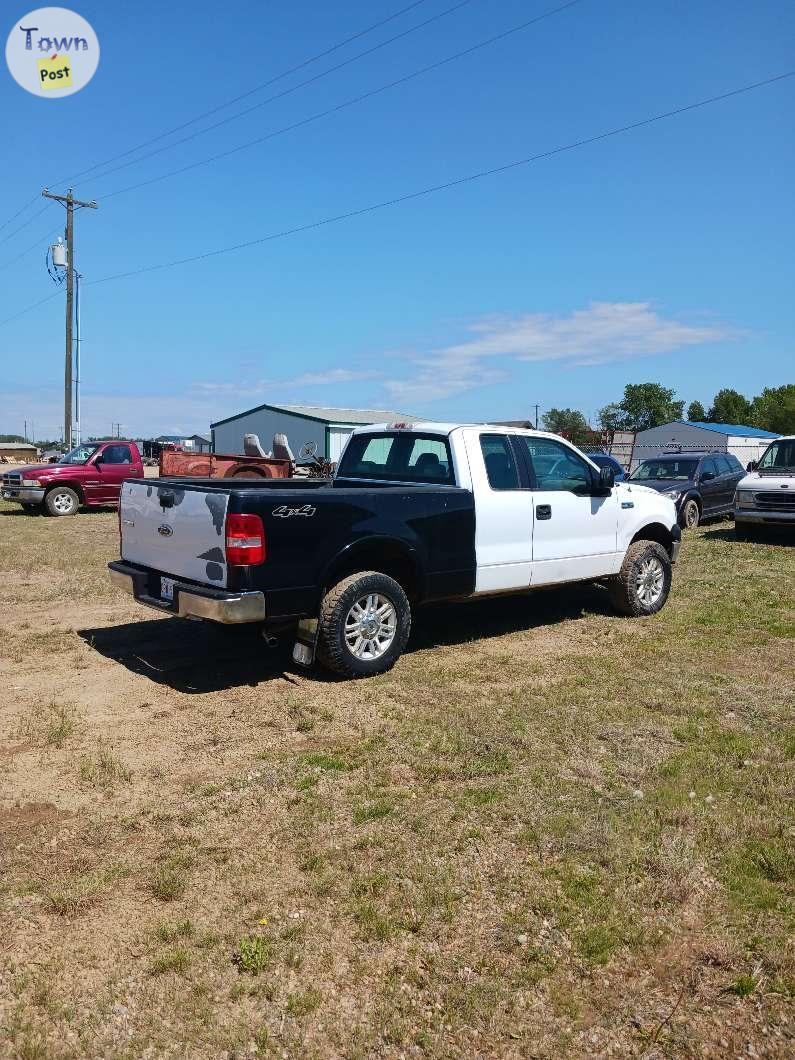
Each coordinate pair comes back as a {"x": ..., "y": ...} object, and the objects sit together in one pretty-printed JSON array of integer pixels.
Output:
[{"x": 314, "y": 528}]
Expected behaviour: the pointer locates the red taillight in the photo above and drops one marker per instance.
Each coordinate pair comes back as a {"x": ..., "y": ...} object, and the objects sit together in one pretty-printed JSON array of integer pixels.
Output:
[{"x": 245, "y": 540}]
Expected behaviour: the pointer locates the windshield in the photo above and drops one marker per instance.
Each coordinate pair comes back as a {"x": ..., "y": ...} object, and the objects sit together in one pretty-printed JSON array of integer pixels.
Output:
[
  {"x": 670, "y": 470},
  {"x": 81, "y": 455},
  {"x": 398, "y": 457},
  {"x": 779, "y": 454}
]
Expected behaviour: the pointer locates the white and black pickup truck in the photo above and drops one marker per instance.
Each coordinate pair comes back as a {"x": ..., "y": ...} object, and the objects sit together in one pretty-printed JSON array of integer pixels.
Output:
[{"x": 415, "y": 513}]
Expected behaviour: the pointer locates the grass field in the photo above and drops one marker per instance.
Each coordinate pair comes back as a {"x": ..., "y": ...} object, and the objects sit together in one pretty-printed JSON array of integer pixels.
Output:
[{"x": 548, "y": 832}]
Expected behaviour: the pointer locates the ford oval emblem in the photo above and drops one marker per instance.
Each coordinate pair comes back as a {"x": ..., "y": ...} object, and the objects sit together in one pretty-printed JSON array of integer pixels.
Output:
[{"x": 165, "y": 530}]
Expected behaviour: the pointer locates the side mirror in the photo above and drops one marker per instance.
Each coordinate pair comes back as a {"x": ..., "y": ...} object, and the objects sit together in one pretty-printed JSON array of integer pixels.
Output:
[
  {"x": 708, "y": 476},
  {"x": 752, "y": 465},
  {"x": 606, "y": 479}
]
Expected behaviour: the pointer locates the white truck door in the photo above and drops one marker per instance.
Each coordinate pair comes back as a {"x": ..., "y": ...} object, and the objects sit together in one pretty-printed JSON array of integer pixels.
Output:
[
  {"x": 503, "y": 512},
  {"x": 574, "y": 533}
]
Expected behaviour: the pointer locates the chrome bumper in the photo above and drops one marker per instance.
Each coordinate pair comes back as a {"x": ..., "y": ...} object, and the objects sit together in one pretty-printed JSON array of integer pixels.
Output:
[
  {"x": 23, "y": 494},
  {"x": 191, "y": 601},
  {"x": 764, "y": 515}
]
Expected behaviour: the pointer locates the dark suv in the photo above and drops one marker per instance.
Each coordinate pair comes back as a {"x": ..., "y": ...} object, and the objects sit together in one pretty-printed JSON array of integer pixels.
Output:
[{"x": 701, "y": 485}]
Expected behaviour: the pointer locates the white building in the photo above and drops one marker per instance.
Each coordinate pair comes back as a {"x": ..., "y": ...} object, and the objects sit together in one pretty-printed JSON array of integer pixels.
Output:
[
  {"x": 746, "y": 443},
  {"x": 328, "y": 428}
]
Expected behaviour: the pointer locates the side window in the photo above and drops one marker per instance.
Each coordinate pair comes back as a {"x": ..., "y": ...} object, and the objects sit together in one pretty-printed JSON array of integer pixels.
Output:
[
  {"x": 556, "y": 467},
  {"x": 117, "y": 454},
  {"x": 735, "y": 463},
  {"x": 724, "y": 465},
  {"x": 708, "y": 467},
  {"x": 500, "y": 463}
]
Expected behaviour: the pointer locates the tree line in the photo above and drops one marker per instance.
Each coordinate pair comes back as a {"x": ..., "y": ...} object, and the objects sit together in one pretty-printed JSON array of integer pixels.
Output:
[{"x": 647, "y": 405}]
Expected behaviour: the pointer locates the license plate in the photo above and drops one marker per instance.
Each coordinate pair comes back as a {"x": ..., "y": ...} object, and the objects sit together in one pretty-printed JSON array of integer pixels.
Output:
[{"x": 167, "y": 589}]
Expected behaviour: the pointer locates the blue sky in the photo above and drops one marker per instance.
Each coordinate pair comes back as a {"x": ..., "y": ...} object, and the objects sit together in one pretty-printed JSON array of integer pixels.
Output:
[{"x": 663, "y": 254}]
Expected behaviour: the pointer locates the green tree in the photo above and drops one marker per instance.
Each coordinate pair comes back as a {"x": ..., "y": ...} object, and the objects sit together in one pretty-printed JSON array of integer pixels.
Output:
[
  {"x": 696, "y": 412},
  {"x": 774, "y": 409},
  {"x": 729, "y": 406},
  {"x": 644, "y": 405},
  {"x": 569, "y": 422},
  {"x": 11, "y": 438}
]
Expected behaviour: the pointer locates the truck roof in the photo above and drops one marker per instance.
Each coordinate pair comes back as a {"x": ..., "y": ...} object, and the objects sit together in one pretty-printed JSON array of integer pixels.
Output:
[{"x": 437, "y": 427}]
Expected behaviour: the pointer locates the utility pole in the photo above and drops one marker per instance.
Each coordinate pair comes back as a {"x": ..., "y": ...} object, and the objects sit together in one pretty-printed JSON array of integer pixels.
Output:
[
  {"x": 69, "y": 201},
  {"x": 536, "y": 408}
]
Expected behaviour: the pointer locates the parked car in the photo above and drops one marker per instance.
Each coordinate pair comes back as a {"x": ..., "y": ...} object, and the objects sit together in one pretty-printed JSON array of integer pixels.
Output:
[
  {"x": 701, "y": 485},
  {"x": 766, "y": 495},
  {"x": 605, "y": 460},
  {"x": 414, "y": 513},
  {"x": 89, "y": 475}
]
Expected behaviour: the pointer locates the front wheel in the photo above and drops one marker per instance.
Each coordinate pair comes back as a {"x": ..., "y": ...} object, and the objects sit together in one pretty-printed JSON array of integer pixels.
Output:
[
  {"x": 62, "y": 501},
  {"x": 691, "y": 515},
  {"x": 364, "y": 625},
  {"x": 642, "y": 585}
]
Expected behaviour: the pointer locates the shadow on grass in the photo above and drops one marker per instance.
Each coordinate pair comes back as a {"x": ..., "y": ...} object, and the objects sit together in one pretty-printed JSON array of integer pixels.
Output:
[
  {"x": 764, "y": 535},
  {"x": 199, "y": 657}
]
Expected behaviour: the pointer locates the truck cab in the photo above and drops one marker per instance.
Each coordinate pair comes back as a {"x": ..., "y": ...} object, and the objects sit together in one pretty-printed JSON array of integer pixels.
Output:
[{"x": 89, "y": 475}]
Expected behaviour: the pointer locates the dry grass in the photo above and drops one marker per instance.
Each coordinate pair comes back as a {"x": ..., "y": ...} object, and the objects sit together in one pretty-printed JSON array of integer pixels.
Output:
[{"x": 547, "y": 832}]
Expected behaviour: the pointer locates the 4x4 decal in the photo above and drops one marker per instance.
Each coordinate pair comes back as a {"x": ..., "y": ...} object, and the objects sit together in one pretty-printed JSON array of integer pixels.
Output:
[{"x": 284, "y": 512}]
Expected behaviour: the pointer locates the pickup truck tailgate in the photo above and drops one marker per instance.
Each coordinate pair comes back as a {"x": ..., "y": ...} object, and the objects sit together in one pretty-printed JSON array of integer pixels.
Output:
[{"x": 175, "y": 529}]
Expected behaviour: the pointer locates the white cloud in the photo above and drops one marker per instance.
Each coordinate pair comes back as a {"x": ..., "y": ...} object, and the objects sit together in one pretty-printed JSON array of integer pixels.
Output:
[{"x": 603, "y": 332}]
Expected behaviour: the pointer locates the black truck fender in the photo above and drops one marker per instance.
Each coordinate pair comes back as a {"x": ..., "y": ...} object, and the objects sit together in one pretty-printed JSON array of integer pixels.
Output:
[{"x": 387, "y": 555}]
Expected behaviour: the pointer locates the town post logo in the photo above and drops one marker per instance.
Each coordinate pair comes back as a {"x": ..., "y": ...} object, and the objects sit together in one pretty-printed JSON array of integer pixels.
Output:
[{"x": 52, "y": 52}]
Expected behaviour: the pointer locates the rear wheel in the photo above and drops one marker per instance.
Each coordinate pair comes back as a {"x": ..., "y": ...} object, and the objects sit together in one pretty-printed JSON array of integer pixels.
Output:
[
  {"x": 642, "y": 585},
  {"x": 691, "y": 515},
  {"x": 61, "y": 500},
  {"x": 364, "y": 625}
]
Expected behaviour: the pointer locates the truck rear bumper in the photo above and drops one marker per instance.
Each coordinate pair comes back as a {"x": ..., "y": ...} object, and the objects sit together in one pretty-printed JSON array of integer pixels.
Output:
[{"x": 190, "y": 601}]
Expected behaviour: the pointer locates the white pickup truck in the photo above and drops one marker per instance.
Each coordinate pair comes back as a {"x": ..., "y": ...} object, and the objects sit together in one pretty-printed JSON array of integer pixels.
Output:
[
  {"x": 766, "y": 496},
  {"x": 415, "y": 513}
]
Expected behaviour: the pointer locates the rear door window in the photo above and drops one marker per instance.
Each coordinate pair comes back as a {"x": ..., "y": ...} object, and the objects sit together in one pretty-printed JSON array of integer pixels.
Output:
[
  {"x": 500, "y": 462},
  {"x": 724, "y": 466},
  {"x": 398, "y": 457}
]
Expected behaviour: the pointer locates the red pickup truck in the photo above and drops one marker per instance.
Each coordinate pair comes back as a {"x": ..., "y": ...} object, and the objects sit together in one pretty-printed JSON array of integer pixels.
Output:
[{"x": 89, "y": 475}]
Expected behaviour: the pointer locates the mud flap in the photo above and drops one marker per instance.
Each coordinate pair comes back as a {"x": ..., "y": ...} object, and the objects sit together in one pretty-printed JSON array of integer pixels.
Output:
[{"x": 305, "y": 642}]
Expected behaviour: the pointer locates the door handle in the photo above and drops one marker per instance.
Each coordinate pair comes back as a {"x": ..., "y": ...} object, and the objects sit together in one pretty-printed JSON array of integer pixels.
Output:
[{"x": 543, "y": 511}]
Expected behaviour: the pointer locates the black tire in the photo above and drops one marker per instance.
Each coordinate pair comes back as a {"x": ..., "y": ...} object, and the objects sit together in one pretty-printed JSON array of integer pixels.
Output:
[
  {"x": 690, "y": 516},
  {"x": 333, "y": 649},
  {"x": 626, "y": 588},
  {"x": 62, "y": 500}
]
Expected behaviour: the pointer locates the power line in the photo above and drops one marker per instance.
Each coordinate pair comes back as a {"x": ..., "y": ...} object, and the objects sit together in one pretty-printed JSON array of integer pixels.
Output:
[
  {"x": 430, "y": 190},
  {"x": 341, "y": 106},
  {"x": 19, "y": 212},
  {"x": 28, "y": 309},
  {"x": 457, "y": 182},
  {"x": 30, "y": 220},
  {"x": 45, "y": 235},
  {"x": 293, "y": 88}
]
